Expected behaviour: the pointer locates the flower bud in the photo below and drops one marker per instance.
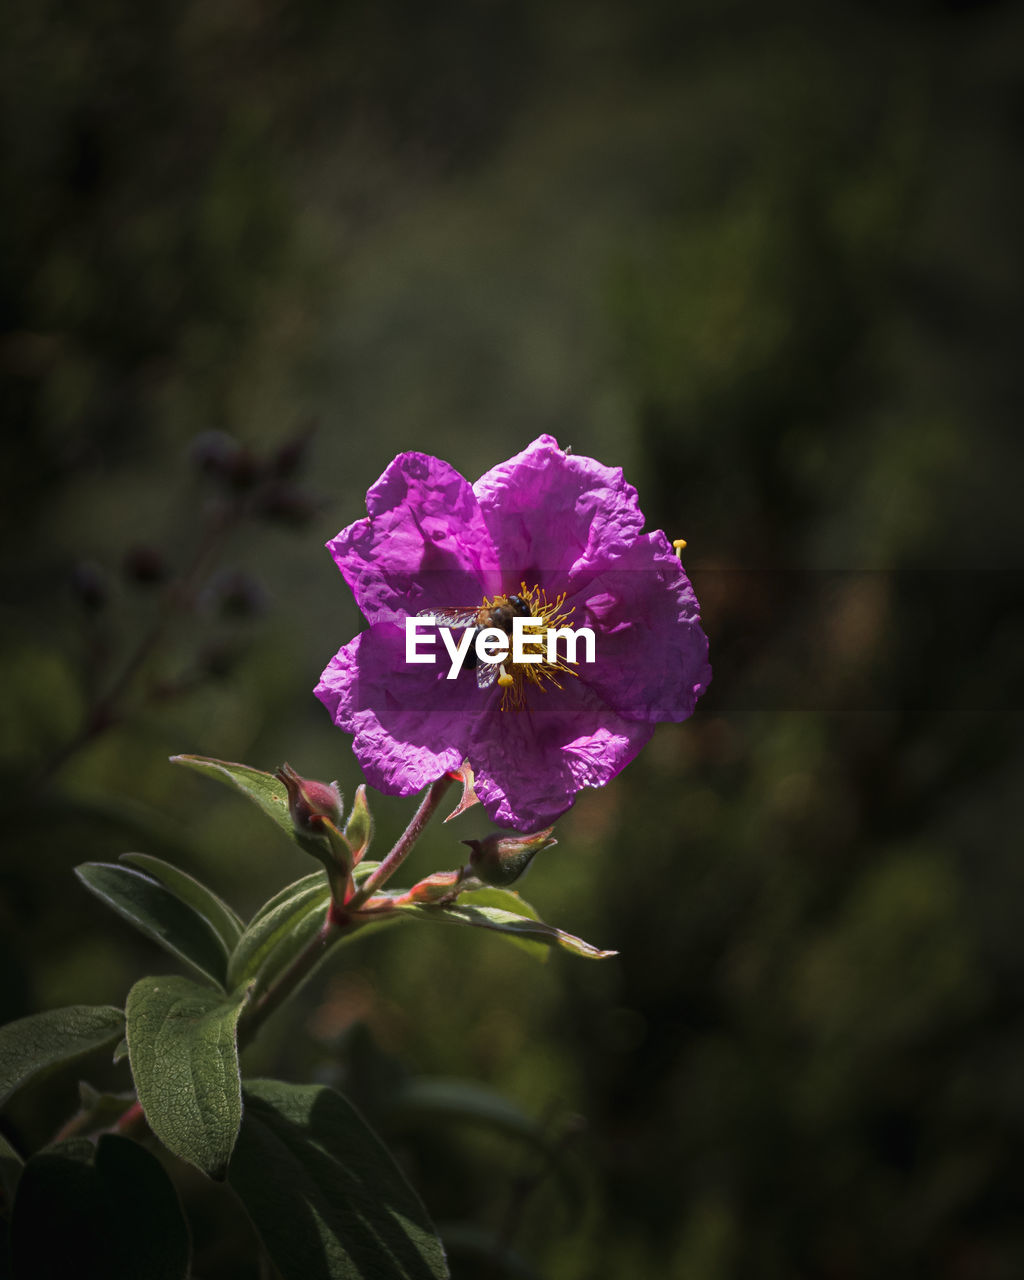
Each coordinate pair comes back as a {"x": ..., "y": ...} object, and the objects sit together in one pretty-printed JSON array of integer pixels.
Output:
[
  {"x": 435, "y": 888},
  {"x": 359, "y": 828},
  {"x": 501, "y": 860},
  {"x": 310, "y": 802}
]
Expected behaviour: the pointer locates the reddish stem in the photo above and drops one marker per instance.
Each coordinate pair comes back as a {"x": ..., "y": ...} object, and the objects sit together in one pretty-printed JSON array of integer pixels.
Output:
[{"x": 403, "y": 846}]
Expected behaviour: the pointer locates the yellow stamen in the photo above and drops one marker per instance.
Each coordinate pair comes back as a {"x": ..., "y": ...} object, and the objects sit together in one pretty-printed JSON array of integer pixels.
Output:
[
  {"x": 514, "y": 676},
  {"x": 679, "y": 544}
]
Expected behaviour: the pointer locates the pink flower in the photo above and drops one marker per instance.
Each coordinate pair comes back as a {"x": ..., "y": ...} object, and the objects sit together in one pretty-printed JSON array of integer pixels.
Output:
[{"x": 565, "y": 534}]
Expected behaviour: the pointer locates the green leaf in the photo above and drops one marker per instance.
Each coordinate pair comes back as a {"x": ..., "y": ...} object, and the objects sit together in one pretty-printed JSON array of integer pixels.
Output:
[
  {"x": 263, "y": 789},
  {"x": 184, "y": 1058},
  {"x": 159, "y": 914},
  {"x": 11, "y": 1165},
  {"x": 281, "y": 928},
  {"x": 503, "y": 911},
  {"x": 278, "y": 931},
  {"x": 42, "y": 1040},
  {"x": 121, "y": 1052},
  {"x": 487, "y": 1251},
  {"x": 108, "y": 1211},
  {"x": 337, "y": 1207},
  {"x": 504, "y": 899},
  {"x": 99, "y": 1110},
  {"x": 214, "y": 910},
  {"x": 359, "y": 828}
]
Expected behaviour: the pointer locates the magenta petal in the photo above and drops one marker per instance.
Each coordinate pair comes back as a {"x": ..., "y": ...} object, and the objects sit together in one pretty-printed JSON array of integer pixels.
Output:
[
  {"x": 549, "y": 511},
  {"x": 410, "y": 725},
  {"x": 528, "y": 765},
  {"x": 424, "y": 544},
  {"x": 651, "y": 654},
  {"x": 564, "y": 523}
]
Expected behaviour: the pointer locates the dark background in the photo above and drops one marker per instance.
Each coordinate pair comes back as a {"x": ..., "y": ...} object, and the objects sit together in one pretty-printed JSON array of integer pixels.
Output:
[{"x": 767, "y": 258}]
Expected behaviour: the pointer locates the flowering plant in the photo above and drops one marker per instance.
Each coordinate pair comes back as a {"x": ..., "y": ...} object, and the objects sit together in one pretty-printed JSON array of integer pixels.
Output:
[
  {"x": 546, "y": 538},
  {"x": 561, "y": 532}
]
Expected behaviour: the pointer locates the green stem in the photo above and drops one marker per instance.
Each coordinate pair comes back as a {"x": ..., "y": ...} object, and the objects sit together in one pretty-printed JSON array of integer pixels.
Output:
[
  {"x": 341, "y": 920},
  {"x": 292, "y": 978}
]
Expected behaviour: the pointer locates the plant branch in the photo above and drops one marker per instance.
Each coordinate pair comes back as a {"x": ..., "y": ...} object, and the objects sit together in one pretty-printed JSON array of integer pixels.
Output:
[
  {"x": 292, "y": 978},
  {"x": 341, "y": 919},
  {"x": 403, "y": 846}
]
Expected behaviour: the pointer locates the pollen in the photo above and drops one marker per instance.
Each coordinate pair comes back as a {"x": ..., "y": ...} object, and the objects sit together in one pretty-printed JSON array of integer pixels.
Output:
[{"x": 516, "y": 677}]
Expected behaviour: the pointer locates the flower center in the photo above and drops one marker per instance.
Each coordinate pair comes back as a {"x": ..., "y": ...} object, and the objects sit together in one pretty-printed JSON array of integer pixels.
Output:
[{"x": 515, "y": 677}]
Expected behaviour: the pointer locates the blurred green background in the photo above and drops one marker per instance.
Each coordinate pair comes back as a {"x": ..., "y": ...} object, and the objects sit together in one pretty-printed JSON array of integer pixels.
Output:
[{"x": 766, "y": 258}]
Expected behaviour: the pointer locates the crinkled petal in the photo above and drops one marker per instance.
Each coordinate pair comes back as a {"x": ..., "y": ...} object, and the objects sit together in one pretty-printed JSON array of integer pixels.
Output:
[
  {"x": 423, "y": 545},
  {"x": 410, "y": 724},
  {"x": 528, "y": 765},
  {"x": 651, "y": 654},
  {"x": 555, "y": 516}
]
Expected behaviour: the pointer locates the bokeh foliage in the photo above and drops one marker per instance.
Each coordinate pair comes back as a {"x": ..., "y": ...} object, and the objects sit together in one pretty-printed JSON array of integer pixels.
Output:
[{"x": 769, "y": 259}]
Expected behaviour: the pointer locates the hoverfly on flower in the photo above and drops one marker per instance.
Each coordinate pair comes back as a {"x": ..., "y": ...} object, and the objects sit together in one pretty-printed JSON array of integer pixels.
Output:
[
  {"x": 548, "y": 535},
  {"x": 491, "y": 615}
]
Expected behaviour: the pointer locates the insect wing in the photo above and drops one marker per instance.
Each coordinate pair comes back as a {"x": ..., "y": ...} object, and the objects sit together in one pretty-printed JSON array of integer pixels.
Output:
[
  {"x": 486, "y": 674},
  {"x": 451, "y": 617}
]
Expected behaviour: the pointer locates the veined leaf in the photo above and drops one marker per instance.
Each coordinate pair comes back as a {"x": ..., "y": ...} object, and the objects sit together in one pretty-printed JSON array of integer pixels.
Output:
[
  {"x": 108, "y": 1210},
  {"x": 42, "y": 1040},
  {"x": 503, "y": 911},
  {"x": 159, "y": 914},
  {"x": 279, "y": 930},
  {"x": 214, "y": 910},
  {"x": 184, "y": 1057},
  {"x": 337, "y": 1206},
  {"x": 282, "y": 927},
  {"x": 263, "y": 789}
]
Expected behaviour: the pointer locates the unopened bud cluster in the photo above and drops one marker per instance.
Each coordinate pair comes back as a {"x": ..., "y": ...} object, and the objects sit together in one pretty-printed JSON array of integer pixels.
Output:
[{"x": 310, "y": 802}]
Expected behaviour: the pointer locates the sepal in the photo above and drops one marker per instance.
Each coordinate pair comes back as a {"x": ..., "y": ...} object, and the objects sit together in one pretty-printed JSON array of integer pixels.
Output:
[
  {"x": 463, "y": 774},
  {"x": 500, "y": 860},
  {"x": 359, "y": 828},
  {"x": 438, "y": 887}
]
